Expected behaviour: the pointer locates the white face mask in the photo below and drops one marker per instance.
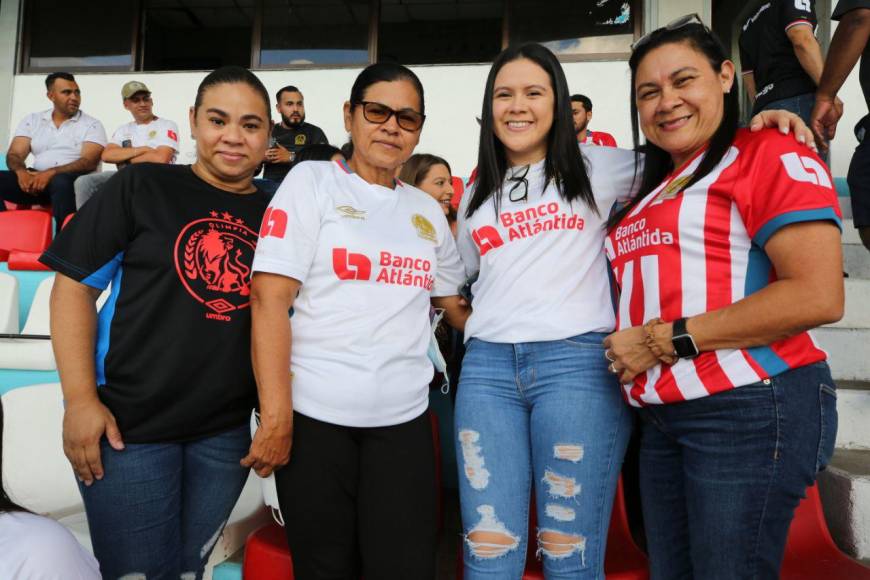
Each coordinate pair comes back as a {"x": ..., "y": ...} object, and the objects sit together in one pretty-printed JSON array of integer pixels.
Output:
[{"x": 434, "y": 351}]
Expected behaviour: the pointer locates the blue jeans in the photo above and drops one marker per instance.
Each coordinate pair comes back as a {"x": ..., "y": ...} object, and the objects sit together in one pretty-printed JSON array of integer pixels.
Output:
[
  {"x": 161, "y": 507},
  {"x": 542, "y": 412},
  {"x": 721, "y": 476}
]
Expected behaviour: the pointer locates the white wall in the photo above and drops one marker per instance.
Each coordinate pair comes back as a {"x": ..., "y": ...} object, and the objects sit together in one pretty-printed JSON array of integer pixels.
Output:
[{"x": 453, "y": 100}]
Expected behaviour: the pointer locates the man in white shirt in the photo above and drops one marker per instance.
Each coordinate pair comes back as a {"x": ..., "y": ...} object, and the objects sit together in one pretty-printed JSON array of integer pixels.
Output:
[
  {"x": 65, "y": 143},
  {"x": 146, "y": 139}
]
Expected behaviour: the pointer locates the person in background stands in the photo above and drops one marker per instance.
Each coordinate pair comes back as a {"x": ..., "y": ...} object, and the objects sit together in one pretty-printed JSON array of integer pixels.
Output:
[
  {"x": 289, "y": 137},
  {"x": 847, "y": 46},
  {"x": 781, "y": 58},
  {"x": 320, "y": 152},
  {"x": 146, "y": 139},
  {"x": 581, "y": 109},
  {"x": 65, "y": 142},
  {"x": 432, "y": 174}
]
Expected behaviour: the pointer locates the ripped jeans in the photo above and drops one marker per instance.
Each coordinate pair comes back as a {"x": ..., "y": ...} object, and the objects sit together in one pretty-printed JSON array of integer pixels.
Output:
[
  {"x": 545, "y": 416},
  {"x": 161, "y": 507}
]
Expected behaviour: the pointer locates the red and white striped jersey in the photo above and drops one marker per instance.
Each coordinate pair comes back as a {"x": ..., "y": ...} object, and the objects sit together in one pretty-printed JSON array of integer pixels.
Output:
[
  {"x": 680, "y": 253},
  {"x": 599, "y": 138}
]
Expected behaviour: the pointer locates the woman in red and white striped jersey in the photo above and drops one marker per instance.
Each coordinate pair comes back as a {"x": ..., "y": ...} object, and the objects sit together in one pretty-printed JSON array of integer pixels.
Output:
[{"x": 726, "y": 257}]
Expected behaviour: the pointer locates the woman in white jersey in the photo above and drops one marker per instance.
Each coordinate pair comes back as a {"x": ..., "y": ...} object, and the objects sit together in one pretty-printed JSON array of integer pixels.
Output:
[
  {"x": 359, "y": 256},
  {"x": 536, "y": 404},
  {"x": 728, "y": 254}
]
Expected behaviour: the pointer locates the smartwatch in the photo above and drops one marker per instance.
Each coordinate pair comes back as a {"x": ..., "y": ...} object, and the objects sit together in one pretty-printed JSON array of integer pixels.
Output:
[{"x": 684, "y": 344}]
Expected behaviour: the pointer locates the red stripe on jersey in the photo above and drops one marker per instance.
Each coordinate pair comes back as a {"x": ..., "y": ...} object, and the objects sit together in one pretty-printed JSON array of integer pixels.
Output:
[
  {"x": 667, "y": 386},
  {"x": 717, "y": 231},
  {"x": 711, "y": 375},
  {"x": 636, "y": 309},
  {"x": 799, "y": 22}
]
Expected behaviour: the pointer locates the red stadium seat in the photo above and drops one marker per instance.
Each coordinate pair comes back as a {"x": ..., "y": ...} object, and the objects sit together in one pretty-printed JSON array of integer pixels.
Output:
[
  {"x": 810, "y": 553},
  {"x": 20, "y": 260},
  {"x": 623, "y": 560},
  {"x": 26, "y": 230},
  {"x": 267, "y": 556}
]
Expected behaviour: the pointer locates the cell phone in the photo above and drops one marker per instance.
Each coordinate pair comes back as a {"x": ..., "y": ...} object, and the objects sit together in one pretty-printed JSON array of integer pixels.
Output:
[
  {"x": 126, "y": 143},
  {"x": 273, "y": 142}
]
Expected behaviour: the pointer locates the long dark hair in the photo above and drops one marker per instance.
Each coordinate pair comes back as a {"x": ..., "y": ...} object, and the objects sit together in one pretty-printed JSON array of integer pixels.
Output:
[
  {"x": 658, "y": 163},
  {"x": 563, "y": 164},
  {"x": 6, "y": 504}
]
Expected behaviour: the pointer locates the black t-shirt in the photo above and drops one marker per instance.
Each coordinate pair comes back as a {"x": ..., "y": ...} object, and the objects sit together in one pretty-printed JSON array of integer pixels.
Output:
[
  {"x": 844, "y": 6},
  {"x": 294, "y": 139},
  {"x": 768, "y": 54},
  {"x": 173, "y": 340}
]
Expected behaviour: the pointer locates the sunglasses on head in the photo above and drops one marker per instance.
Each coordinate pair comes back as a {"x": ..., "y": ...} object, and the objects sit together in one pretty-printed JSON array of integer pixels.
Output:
[
  {"x": 680, "y": 22},
  {"x": 407, "y": 119}
]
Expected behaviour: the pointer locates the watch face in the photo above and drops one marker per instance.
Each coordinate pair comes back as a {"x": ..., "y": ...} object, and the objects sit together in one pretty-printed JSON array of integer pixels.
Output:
[{"x": 685, "y": 346}]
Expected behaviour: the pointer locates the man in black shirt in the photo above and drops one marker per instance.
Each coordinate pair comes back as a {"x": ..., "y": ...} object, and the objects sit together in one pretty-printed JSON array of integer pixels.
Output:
[
  {"x": 850, "y": 43},
  {"x": 289, "y": 137},
  {"x": 781, "y": 58}
]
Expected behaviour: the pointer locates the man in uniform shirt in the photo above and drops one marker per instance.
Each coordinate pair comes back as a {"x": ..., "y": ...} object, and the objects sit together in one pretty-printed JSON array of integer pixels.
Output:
[
  {"x": 65, "y": 143},
  {"x": 581, "y": 108},
  {"x": 850, "y": 43},
  {"x": 289, "y": 137},
  {"x": 146, "y": 139},
  {"x": 781, "y": 58}
]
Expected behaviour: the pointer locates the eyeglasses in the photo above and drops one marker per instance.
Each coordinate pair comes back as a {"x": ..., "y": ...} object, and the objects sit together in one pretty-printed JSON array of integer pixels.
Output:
[
  {"x": 519, "y": 179},
  {"x": 408, "y": 119},
  {"x": 672, "y": 25}
]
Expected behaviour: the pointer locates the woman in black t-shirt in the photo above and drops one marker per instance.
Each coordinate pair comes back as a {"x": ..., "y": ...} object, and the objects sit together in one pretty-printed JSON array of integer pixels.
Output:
[{"x": 156, "y": 423}]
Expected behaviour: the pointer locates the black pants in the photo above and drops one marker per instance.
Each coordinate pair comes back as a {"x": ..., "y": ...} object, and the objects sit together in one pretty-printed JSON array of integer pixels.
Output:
[
  {"x": 59, "y": 193},
  {"x": 360, "y": 501},
  {"x": 859, "y": 182}
]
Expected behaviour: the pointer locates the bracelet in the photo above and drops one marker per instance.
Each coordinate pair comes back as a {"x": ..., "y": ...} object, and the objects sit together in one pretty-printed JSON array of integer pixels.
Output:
[{"x": 652, "y": 344}]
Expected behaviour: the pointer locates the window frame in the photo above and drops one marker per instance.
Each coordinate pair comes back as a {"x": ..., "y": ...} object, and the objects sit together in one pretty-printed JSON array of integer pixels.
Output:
[
  {"x": 137, "y": 39},
  {"x": 27, "y": 19}
]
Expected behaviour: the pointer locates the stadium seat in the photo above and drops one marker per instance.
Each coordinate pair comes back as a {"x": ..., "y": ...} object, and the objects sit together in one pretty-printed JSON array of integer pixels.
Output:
[
  {"x": 8, "y": 303},
  {"x": 27, "y": 230},
  {"x": 33, "y": 355},
  {"x": 267, "y": 556},
  {"x": 810, "y": 553},
  {"x": 623, "y": 560},
  {"x": 22, "y": 260}
]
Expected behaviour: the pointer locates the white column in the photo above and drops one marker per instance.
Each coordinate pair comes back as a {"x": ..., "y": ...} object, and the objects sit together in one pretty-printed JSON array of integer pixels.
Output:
[{"x": 9, "y": 10}]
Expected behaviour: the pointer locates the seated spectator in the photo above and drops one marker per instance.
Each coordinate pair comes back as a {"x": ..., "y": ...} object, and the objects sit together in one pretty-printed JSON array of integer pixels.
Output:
[
  {"x": 320, "y": 152},
  {"x": 581, "y": 108},
  {"x": 289, "y": 137},
  {"x": 27, "y": 539},
  {"x": 146, "y": 139},
  {"x": 432, "y": 174},
  {"x": 65, "y": 142}
]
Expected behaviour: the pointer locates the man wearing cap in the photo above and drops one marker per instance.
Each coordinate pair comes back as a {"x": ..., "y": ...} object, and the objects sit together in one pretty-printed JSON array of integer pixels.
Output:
[
  {"x": 65, "y": 143},
  {"x": 146, "y": 139}
]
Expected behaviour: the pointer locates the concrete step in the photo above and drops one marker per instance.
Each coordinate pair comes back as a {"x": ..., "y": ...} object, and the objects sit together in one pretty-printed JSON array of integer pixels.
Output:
[
  {"x": 845, "y": 490},
  {"x": 856, "y": 261},
  {"x": 848, "y": 351},
  {"x": 857, "y": 313},
  {"x": 850, "y": 234},
  {"x": 853, "y": 410}
]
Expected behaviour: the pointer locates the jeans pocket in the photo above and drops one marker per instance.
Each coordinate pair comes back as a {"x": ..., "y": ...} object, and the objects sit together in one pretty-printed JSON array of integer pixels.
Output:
[
  {"x": 591, "y": 340},
  {"x": 827, "y": 423}
]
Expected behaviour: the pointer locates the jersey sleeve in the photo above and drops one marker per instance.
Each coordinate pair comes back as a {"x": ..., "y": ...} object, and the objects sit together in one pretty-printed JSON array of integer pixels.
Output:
[
  {"x": 450, "y": 274},
  {"x": 468, "y": 251},
  {"x": 607, "y": 139},
  {"x": 797, "y": 12},
  {"x": 95, "y": 133},
  {"x": 168, "y": 135},
  {"x": 27, "y": 126},
  {"x": 844, "y": 6},
  {"x": 320, "y": 137},
  {"x": 291, "y": 226},
  {"x": 90, "y": 248},
  {"x": 782, "y": 182}
]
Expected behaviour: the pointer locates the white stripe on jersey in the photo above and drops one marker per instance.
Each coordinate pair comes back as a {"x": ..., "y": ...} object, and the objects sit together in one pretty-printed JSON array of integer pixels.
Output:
[
  {"x": 740, "y": 245},
  {"x": 734, "y": 365},
  {"x": 693, "y": 264},
  {"x": 650, "y": 395},
  {"x": 626, "y": 284},
  {"x": 687, "y": 380},
  {"x": 649, "y": 268}
]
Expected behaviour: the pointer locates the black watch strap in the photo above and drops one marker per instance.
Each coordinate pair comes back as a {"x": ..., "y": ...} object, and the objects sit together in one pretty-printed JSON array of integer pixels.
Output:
[{"x": 684, "y": 344}]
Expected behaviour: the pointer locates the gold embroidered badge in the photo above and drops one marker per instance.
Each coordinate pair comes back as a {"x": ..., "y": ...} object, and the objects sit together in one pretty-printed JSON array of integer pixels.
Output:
[
  {"x": 674, "y": 187},
  {"x": 424, "y": 228}
]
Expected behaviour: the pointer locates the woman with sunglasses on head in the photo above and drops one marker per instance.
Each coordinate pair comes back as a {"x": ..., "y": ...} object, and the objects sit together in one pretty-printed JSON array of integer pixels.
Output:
[
  {"x": 158, "y": 387},
  {"x": 536, "y": 405},
  {"x": 727, "y": 255},
  {"x": 360, "y": 257}
]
